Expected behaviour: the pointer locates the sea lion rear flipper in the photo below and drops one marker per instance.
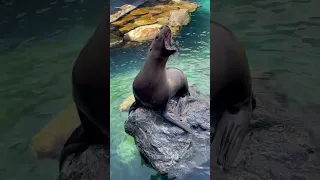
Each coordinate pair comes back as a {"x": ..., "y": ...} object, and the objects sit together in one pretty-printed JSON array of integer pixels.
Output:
[
  {"x": 181, "y": 104},
  {"x": 176, "y": 122},
  {"x": 254, "y": 102},
  {"x": 229, "y": 136}
]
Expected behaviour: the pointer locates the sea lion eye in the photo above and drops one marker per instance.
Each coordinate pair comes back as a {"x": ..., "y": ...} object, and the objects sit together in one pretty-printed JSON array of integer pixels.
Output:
[
  {"x": 157, "y": 37},
  {"x": 150, "y": 49}
]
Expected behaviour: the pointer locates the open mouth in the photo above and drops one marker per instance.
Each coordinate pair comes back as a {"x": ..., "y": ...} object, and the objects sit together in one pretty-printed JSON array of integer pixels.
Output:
[{"x": 168, "y": 40}]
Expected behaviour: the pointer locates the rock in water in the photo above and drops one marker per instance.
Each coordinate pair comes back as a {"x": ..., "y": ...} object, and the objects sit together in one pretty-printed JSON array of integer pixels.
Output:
[
  {"x": 165, "y": 146},
  {"x": 115, "y": 40},
  {"x": 143, "y": 33},
  {"x": 179, "y": 17},
  {"x": 93, "y": 163},
  {"x": 49, "y": 142}
]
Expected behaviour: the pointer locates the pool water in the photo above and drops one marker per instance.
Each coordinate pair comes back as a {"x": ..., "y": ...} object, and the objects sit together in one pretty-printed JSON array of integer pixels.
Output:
[
  {"x": 192, "y": 58},
  {"x": 40, "y": 41},
  {"x": 279, "y": 36}
]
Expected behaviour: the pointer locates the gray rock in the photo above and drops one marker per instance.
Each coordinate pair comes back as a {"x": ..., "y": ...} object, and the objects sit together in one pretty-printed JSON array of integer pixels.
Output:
[
  {"x": 91, "y": 164},
  {"x": 165, "y": 146},
  {"x": 283, "y": 140}
]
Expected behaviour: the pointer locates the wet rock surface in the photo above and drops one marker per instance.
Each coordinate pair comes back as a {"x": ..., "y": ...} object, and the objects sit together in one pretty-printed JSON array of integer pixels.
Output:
[
  {"x": 283, "y": 142},
  {"x": 165, "y": 146},
  {"x": 91, "y": 164}
]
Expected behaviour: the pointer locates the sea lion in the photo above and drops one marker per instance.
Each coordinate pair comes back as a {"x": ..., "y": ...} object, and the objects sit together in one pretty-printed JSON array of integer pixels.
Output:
[
  {"x": 231, "y": 96},
  {"x": 155, "y": 84},
  {"x": 90, "y": 87}
]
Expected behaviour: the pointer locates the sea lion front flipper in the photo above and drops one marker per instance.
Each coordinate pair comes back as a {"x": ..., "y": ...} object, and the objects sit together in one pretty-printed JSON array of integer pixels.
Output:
[
  {"x": 176, "y": 122},
  {"x": 135, "y": 105},
  {"x": 229, "y": 135},
  {"x": 77, "y": 143}
]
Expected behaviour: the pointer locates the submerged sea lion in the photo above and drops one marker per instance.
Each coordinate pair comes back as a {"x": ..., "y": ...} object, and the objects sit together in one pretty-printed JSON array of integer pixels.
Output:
[
  {"x": 155, "y": 84},
  {"x": 232, "y": 100}
]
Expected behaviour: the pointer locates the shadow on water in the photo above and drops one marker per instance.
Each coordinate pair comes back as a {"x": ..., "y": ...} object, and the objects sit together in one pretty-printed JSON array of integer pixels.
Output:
[
  {"x": 281, "y": 37},
  {"x": 39, "y": 43}
]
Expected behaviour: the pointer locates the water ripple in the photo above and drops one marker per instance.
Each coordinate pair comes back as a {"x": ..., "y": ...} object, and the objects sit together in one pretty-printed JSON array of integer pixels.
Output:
[{"x": 42, "y": 10}]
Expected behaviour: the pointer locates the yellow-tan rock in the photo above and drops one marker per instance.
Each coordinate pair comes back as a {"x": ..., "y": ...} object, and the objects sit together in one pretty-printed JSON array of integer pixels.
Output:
[
  {"x": 144, "y": 22},
  {"x": 175, "y": 29},
  {"x": 127, "y": 28},
  {"x": 124, "y": 20},
  {"x": 163, "y": 20},
  {"x": 128, "y": 17},
  {"x": 50, "y": 140},
  {"x": 155, "y": 11},
  {"x": 179, "y": 17},
  {"x": 190, "y": 6},
  {"x": 143, "y": 33},
  {"x": 166, "y": 7},
  {"x": 139, "y": 12},
  {"x": 165, "y": 14},
  {"x": 146, "y": 16},
  {"x": 127, "y": 103}
]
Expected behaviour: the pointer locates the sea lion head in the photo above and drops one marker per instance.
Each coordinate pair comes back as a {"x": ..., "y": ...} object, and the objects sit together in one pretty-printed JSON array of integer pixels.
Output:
[{"x": 161, "y": 46}]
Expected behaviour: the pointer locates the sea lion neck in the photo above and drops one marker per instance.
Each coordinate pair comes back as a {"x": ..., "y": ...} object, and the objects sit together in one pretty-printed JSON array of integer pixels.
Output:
[
  {"x": 93, "y": 59},
  {"x": 155, "y": 60}
]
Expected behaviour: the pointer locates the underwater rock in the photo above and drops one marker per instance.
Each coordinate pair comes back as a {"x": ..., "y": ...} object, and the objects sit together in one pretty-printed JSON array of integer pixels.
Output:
[
  {"x": 165, "y": 146},
  {"x": 179, "y": 17},
  {"x": 127, "y": 150},
  {"x": 124, "y": 107},
  {"x": 143, "y": 33},
  {"x": 49, "y": 142}
]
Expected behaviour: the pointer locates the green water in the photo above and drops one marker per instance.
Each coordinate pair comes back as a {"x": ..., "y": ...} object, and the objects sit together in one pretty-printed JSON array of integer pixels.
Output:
[
  {"x": 281, "y": 37},
  {"x": 39, "y": 44},
  {"x": 192, "y": 58}
]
